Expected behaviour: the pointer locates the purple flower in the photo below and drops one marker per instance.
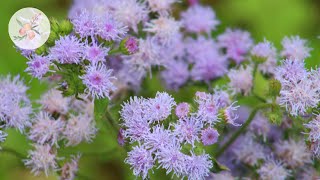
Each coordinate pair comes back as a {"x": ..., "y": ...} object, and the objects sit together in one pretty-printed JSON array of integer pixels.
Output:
[
  {"x": 237, "y": 44},
  {"x": 198, "y": 167},
  {"x": 182, "y": 110},
  {"x": 209, "y": 66},
  {"x": 131, "y": 45},
  {"x": 141, "y": 161},
  {"x": 43, "y": 158},
  {"x": 201, "y": 48},
  {"x": 268, "y": 52},
  {"x": 67, "y": 50},
  {"x": 291, "y": 71},
  {"x": 229, "y": 114},
  {"x": 187, "y": 129},
  {"x": 208, "y": 107},
  {"x": 131, "y": 12},
  {"x": 209, "y": 136},
  {"x": 54, "y": 102},
  {"x": 46, "y": 129},
  {"x": 85, "y": 23},
  {"x": 69, "y": 169},
  {"x": 273, "y": 169},
  {"x": 161, "y": 106},
  {"x": 159, "y": 139},
  {"x": 295, "y": 48},
  {"x": 38, "y": 66},
  {"x": 95, "y": 53},
  {"x": 171, "y": 159},
  {"x": 165, "y": 28},
  {"x": 175, "y": 74},
  {"x": 241, "y": 80},
  {"x": 110, "y": 29},
  {"x": 314, "y": 126},
  {"x": 98, "y": 80},
  {"x": 121, "y": 139},
  {"x": 15, "y": 109},
  {"x": 199, "y": 19},
  {"x": 162, "y": 7}
]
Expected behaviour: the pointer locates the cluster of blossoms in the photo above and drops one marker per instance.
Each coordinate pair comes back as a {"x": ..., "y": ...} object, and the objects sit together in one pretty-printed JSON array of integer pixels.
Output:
[
  {"x": 60, "y": 122},
  {"x": 175, "y": 142},
  {"x": 108, "y": 47}
]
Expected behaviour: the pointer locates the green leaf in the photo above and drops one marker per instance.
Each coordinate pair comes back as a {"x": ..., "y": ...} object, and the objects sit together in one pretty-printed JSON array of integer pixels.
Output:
[
  {"x": 19, "y": 22},
  {"x": 100, "y": 108}
]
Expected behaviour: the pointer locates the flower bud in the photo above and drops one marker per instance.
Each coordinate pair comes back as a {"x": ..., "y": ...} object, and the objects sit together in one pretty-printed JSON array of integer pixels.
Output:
[
  {"x": 41, "y": 50},
  {"x": 129, "y": 45},
  {"x": 274, "y": 87},
  {"x": 66, "y": 27},
  {"x": 258, "y": 59},
  {"x": 52, "y": 38},
  {"x": 54, "y": 25}
]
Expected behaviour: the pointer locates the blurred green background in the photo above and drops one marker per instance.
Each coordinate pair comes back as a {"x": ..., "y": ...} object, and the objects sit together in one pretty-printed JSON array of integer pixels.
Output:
[{"x": 270, "y": 19}]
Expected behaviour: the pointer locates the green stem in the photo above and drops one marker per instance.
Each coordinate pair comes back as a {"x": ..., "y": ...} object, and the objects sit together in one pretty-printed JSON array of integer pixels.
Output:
[
  {"x": 241, "y": 130},
  {"x": 114, "y": 51}
]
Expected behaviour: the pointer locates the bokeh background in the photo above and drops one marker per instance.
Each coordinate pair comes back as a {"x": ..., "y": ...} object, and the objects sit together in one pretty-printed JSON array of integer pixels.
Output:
[{"x": 103, "y": 159}]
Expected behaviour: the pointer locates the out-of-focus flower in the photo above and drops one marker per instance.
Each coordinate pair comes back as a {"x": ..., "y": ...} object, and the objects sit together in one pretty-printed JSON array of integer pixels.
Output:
[
  {"x": 273, "y": 169},
  {"x": 110, "y": 29},
  {"x": 294, "y": 153},
  {"x": 79, "y": 128},
  {"x": 67, "y": 50},
  {"x": 161, "y": 6},
  {"x": 43, "y": 158},
  {"x": 98, "y": 80},
  {"x": 164, "y": 28},
  {"x": 131, "y": 12},
  {"x": 295, "y": 48},
  {"x": 46, "y": 129},
  {"x": 237, "y": 44},
  {"x": 241, "y": 80},
  {"x": 199, "y": 19},
  {"x": 266, "y": 51},
  {"x": 69, "y": 169},
  {"x": 54, "y": 102},
  {"x": 175, "y": 75},
  {"x": 15, "y": 109}
]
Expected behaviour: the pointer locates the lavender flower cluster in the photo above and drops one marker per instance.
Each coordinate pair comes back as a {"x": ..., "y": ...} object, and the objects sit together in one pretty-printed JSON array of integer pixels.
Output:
[
  {"x": 108, "y": 48},
  {"x": 176, "y": 145}
]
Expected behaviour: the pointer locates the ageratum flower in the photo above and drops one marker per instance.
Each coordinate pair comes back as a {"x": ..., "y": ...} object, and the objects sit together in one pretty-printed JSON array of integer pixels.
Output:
[
  {"x": 95, "y": 52},
  {"x": 199, "y": 19},
  {"x": 54, "y": 102},
  {"x": 162, "y": 7},
  {"x": 45, "y": 129},
  {"x": 159, "y": 138},
  {"x": 294, "y": 153},
  {"x": 295, "y": 48},
  {"x": 3, "y": 136},
  {"x": 79, "y": 128},
  {"x": 69, "y": 169},
  {"x": 131, "y": 12},
  {"x": 175, "y": 75},
  {"x": 273, "y": 169},
  {"x": 182, "y": 110},
  {"x": 38, "y": 66},
  {"x": 67, "y": 50},
  {"x": 200, "y": 48},
  {"x": 171, "y": 159},
  {"x": 85, "y": 23},
  {"x": 268, "y": 52},
  {"x": 229, "y": 114},
  {"x": 140, "y": 160},
  {"x": 241, "y": 80},
  {"x": 161, "y": 106},
  {"x": 187, "y": 129},
  {"x": 15, "y": 109},
  {"x": 314, "y": 126},
  {"x": 237, "y": 44},
  {"x": 98, "y": 80},
  {"x": 208, "y": 107},
  {"x": 209, "y": 136},
  {"x": 164, "y": 28},
  {"x": 110, "y": 29},
  {"x": 198, "y": 166},
  {"x": 298, "y": 88},
  {"x": 43, "y": 158}
]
